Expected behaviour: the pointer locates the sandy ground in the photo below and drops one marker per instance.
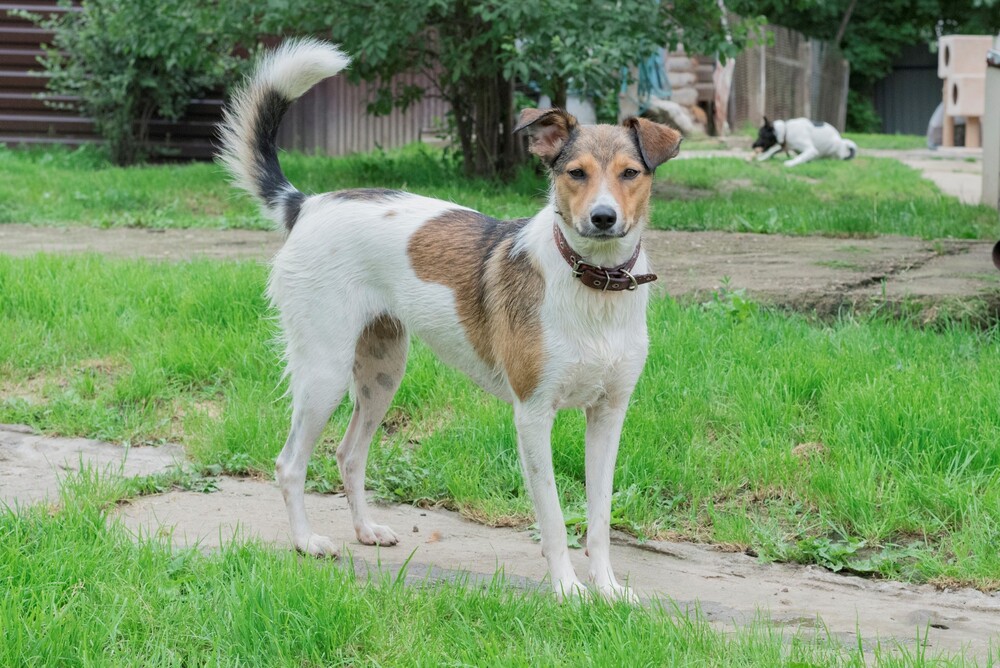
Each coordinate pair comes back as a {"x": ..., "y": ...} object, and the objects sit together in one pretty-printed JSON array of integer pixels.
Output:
[{"x": 730, "y": 589}]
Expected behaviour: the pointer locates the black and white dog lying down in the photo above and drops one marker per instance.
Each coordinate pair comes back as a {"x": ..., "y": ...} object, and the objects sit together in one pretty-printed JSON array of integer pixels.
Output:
[{"x": 810, "y": 139}]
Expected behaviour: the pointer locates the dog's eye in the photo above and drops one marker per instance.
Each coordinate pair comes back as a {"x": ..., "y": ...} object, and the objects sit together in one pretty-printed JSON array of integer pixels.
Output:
[
  {"x": 578, "y": 173},
  {"x": 630, "y": 173}
]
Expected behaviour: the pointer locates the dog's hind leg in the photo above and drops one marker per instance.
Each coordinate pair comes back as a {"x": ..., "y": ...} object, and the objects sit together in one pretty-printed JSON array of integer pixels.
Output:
[
  {"x": 379, "y": 363},
  {"x": 809, "y": 154},
  {"x": 319, "y": 380}
]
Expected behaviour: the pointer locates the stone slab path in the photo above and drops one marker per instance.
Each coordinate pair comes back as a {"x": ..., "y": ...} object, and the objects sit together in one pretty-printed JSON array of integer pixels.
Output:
[{"x": 730, "y": 589}]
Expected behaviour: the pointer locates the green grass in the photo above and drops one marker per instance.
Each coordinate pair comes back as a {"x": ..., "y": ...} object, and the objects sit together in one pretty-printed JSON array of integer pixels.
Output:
[
  {"x": 894, "y": 142},
  {"x": 79, "y": 591},
  {"x": 898, "y": 473},
  {"x": 865, "y": 197}
]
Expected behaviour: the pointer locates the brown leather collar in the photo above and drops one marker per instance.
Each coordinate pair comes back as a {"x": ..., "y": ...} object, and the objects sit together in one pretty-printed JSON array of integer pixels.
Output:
[{"x": 615, "y": 279}]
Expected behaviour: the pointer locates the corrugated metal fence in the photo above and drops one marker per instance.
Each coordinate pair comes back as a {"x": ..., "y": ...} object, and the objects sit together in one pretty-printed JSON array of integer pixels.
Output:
[
  {"x": 332, "y": 119},
  {"x": 25, "y": 118},
  {"x": 907, "y": 98},
  {"x": 795, "y": 76}
]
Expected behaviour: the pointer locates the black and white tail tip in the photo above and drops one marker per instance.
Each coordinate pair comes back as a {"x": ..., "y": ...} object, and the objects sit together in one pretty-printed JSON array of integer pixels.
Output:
[{"x": 250, "y": 123}]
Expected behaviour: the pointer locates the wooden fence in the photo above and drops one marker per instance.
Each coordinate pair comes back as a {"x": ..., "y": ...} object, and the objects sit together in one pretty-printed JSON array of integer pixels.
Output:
[{"x": 794, "y": 76}]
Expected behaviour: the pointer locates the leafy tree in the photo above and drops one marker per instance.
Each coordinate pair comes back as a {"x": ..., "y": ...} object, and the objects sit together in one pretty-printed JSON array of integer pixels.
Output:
[
  {"x": 474, "y": 52},
  {"x": 872, "y": 34},
  {"x": 130, "y": 60}
]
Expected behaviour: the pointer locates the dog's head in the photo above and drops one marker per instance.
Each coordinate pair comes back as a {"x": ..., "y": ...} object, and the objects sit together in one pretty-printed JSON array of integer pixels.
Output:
[
  {"x": 766, "y": 137},
  {"x": 602, "y": 175}
]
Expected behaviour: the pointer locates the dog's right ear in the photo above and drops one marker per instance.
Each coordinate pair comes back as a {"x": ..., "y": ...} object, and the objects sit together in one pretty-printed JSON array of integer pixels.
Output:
[
  {"x": 547, "y": 130},
  {"x": 767, "y": 123}
]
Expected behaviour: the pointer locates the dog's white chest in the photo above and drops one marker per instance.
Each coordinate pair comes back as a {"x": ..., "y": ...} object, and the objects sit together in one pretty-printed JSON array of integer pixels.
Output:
[{"x": 594, "y": 355}]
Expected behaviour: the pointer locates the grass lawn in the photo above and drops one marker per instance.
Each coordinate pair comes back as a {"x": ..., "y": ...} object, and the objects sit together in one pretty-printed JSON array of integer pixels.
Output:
[
  {"x": 864, "y": 197},
  {"x": 79, "y": 591},
  {"x": 887, "y": 142},
  {"x": 866, "y": 444}
]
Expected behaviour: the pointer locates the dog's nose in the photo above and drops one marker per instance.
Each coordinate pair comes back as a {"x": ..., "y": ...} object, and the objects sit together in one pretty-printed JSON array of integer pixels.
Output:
[{"x": 603, "y": 217}]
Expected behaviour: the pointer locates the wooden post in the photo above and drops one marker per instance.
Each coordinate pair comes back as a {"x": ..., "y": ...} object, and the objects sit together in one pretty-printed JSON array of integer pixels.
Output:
[
  {"x": 948, "y": 122},
  {"x": 763, "y": 73},
  {"x": 973, "y": 137}
]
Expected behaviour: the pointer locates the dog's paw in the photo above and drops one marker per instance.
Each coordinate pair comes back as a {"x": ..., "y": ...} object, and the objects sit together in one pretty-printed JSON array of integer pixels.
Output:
[
  {"x": 570, "y": 589},
  {"x": 612, "y": 591},
  {"x": 317, "y": 546},
  {"x": 377, "y": 534}
]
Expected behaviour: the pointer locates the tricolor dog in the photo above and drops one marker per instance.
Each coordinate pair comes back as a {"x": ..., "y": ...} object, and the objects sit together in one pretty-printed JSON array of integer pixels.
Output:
[
  {"x": 810, "y": 139},
  {"x": 546, "y": 313}
]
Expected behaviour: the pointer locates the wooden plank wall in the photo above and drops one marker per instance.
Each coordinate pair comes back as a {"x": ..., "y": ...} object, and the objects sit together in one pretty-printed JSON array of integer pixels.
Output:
[{"x": 794, "y": 76}]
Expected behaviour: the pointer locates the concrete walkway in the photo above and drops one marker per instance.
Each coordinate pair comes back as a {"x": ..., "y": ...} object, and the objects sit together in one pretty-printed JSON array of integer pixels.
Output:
[
  {"x": 730, "y": 589},
  {"x": 956, "y": 171}
]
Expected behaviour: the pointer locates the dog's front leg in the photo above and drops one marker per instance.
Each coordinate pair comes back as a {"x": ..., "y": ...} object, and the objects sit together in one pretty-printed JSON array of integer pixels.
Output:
[
  {"x": 604, "y": 428},
  {"x": 806, "y": 155},
  {"x": 534, "y": 444},
  {"x": 769, "y": 153}
]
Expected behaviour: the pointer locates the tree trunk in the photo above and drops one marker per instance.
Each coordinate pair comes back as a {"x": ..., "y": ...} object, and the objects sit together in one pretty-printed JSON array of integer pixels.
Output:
[
  {"x": 843, "y": 23},
  {"x": 484, "y": 120},
  {"x": 482, "y": 101},
  {"x": 559, "y": 94}
]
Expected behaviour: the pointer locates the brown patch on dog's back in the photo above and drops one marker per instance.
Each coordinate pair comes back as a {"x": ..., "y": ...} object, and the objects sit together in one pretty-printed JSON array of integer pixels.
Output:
[{"x": 497, "y": 292}]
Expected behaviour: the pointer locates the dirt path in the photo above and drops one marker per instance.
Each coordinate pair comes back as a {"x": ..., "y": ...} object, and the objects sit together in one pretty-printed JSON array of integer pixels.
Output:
[
  {"x": 801, "y": 273},
  {"x": 730, "y": 589}
]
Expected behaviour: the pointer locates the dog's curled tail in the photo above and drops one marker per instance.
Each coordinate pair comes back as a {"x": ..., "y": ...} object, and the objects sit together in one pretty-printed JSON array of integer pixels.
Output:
[
  {"x": 852, "y": 149},
  {"x": 250, "y": 122}
]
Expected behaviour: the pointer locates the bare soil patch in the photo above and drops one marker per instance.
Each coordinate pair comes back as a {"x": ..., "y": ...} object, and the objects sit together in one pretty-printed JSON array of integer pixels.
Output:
[{"x": 820, "y": 274}]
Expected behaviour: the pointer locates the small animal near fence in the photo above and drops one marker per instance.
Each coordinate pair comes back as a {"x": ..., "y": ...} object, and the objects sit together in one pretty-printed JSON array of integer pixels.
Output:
[{"x": 789, "y": 76}]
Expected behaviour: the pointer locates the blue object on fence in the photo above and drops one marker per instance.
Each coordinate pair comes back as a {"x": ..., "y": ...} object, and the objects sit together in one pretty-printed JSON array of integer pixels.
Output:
[{"x": 653, "y": 80}]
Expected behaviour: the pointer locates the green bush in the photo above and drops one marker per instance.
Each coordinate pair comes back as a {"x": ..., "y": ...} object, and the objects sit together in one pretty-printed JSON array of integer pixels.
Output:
[
  {"x": 861, "y": 114},
  {"x": 128, "y": 61}
]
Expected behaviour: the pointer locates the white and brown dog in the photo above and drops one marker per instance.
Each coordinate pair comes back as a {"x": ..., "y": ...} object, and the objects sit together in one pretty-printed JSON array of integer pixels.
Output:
[{"x": 545, "y": 313}]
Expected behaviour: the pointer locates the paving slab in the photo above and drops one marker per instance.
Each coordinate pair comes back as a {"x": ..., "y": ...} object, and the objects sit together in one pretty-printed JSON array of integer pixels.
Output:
[
  {"x": 730, "y": 589},
  {"x": 32, "y": 466}
]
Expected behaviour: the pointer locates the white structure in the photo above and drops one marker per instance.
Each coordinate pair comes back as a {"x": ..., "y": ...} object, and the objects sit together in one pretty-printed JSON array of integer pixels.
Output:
[
  {"x": 991, "y": 131},
  {"x": 962, "y": 65}
]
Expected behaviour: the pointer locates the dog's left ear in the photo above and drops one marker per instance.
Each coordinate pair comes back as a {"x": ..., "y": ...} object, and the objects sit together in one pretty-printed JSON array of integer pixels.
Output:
[
  {"x": 547, "y": 130},
  {"x": 657, "y": 143}
]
